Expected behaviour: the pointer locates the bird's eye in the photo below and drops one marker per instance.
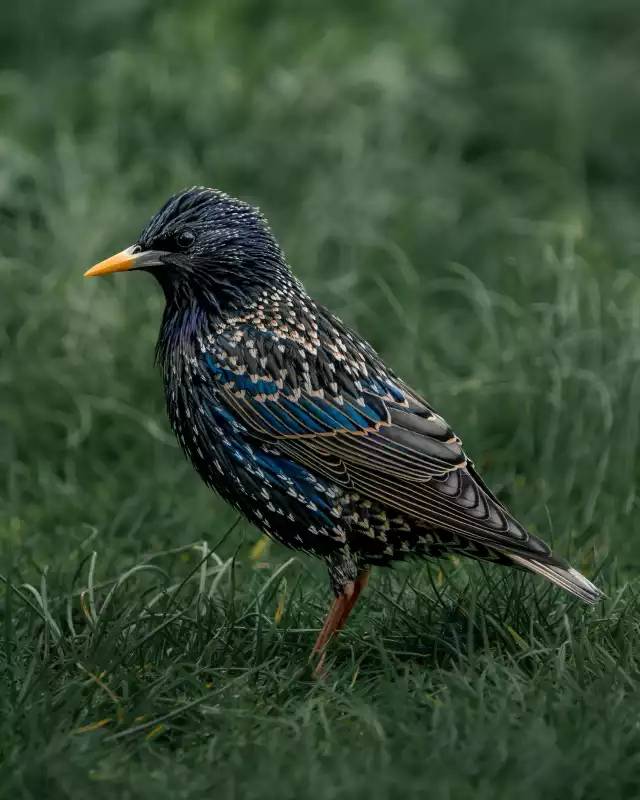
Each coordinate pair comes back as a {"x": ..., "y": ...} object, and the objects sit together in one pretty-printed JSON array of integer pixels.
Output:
[{"x": 185, "y": 239}]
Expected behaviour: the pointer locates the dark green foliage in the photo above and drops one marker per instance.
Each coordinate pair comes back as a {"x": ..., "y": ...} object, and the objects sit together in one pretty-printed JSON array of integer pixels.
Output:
[{"x": 458, "y": 180}]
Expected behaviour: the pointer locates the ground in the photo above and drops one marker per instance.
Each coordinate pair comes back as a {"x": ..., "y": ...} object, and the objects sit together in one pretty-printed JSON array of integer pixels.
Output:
[{"x": 461, "y": 182}]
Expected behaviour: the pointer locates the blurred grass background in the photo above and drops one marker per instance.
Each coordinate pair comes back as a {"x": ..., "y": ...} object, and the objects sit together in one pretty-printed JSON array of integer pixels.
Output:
[{"x": 461, "y": 182}]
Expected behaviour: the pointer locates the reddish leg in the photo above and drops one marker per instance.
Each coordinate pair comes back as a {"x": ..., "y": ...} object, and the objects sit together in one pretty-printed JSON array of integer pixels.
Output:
[
  {"x": 340, "y": 609},
  {"x": 359, "y": 584}
]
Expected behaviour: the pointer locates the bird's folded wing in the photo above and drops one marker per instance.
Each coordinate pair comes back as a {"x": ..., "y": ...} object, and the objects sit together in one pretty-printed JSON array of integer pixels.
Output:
[{"x": 383, "y": 442}]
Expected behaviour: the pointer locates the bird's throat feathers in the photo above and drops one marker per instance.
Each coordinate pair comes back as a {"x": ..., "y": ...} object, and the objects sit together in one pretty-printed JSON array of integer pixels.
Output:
[
  {"x": 223, "y": 286},
  {"x": 193, "y": 319}
]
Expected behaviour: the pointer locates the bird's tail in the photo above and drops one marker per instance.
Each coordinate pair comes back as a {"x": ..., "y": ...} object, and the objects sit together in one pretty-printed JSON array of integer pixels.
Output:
[{"x": 565, "y": 577}]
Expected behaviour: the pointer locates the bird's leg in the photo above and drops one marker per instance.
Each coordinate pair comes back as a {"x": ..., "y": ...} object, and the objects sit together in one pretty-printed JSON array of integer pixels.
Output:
[
  {"x": 340, "y": 609},
  {"x": 336, "y": 617},
  {"x": 359, "y": 584}
]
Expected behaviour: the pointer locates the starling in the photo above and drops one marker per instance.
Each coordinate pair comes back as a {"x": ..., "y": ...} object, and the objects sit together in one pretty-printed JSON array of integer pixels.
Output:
[{"x": 297, "y": 422}]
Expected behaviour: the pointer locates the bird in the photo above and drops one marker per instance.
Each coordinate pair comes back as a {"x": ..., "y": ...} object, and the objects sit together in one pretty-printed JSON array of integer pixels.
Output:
[{"x": 296, "y": 421}]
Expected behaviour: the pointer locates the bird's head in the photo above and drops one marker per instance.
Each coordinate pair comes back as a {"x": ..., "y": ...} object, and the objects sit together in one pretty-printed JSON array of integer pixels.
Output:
[{"x": 205, "y": 246}]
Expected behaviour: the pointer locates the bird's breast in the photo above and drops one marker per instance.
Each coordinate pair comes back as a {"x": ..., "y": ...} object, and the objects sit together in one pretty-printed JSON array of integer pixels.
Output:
[{"x": 278, "y": 495}]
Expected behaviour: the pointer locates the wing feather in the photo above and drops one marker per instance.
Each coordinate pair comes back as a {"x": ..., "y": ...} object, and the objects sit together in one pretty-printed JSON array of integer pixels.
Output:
[{"x": 379, "y": 439}]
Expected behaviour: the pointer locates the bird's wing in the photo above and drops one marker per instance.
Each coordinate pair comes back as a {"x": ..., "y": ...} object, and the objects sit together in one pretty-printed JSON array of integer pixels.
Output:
[{"x": 363, "y": 429}]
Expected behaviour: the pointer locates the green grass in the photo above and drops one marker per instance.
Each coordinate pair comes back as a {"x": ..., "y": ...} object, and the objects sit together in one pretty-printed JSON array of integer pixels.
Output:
[{"x": 460, "y": 181}]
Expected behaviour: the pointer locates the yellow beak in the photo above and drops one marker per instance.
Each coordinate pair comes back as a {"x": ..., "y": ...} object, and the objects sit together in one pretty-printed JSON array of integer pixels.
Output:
[
  {"x": 124, "y": 260},
  {"x": 118, "y": 263}
]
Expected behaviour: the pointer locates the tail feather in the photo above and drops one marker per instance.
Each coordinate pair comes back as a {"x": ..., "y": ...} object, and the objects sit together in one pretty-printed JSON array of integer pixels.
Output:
[{"x": 565, "y": 577}]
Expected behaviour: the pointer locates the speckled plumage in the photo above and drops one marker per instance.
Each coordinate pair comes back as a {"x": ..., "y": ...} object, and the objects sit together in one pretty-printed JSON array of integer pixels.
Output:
[{"x": 295, "y": 420}]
